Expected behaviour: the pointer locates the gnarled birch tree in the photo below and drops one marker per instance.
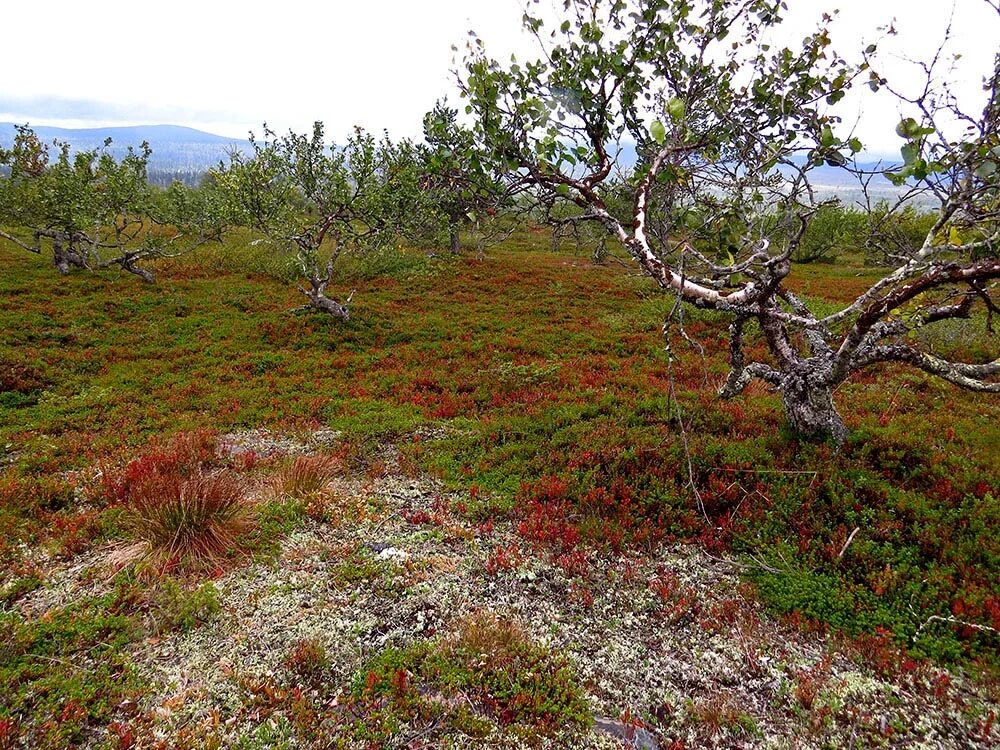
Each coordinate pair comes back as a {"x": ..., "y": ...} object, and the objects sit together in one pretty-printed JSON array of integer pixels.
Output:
[
  {"x": 322, "y": 200},
  {"x": 460, "y": 185},
  {"x": 729, "y": 126},
  {"x": 92, "y": 211}
]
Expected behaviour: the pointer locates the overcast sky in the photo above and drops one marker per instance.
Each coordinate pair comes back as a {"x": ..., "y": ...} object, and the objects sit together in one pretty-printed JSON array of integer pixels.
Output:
[{"x": 227, "y": 66}]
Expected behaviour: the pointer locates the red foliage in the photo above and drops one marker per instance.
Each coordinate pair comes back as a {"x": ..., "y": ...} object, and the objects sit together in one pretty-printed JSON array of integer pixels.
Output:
[
  {"x": 679, "y": 601},
  {"x": 504, "y": 558},
  {"x": 124, "y": 736},
  {"x": 184, "y": 455},
  {"x": 8, "y": 733},
  {"x": 183, "y": 514}
]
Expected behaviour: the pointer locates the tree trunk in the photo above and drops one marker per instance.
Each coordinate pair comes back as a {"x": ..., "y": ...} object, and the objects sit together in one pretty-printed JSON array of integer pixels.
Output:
[
  {"x": 65, "y": 258},
  {"x": 811, "y": 410},
  {"x": 455, "y": 240},
  {"x": 321, "y": 302}
]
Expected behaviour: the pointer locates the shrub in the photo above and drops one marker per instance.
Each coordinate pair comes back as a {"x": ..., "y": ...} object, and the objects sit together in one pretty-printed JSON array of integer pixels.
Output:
[
  {"x": 184, "y": 455},
  {"x": 898, "y": 232},
  {"x": 17, "y": 377},
  {"x": 492, "y": 662},
  {"x": 65, "y": 674},
  {"x": 833, "y": 229},
  {"x": 307, "y": 658}
]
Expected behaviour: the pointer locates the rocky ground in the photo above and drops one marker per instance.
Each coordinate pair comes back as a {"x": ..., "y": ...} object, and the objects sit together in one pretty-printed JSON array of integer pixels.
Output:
[{"x": 670, "y": 650}]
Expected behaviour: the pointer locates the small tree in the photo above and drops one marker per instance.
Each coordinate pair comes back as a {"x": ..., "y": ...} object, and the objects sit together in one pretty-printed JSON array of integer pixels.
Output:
[
  {"x": 93, "y": 211},
  {"x": 457, "y": 177},
  {"x": 728, "y": 126},
  {"x": 322, "y": 201}
]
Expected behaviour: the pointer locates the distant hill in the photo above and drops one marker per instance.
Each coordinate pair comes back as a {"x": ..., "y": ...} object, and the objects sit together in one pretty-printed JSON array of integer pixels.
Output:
[
  {"x": 178, "y": 152},
  {"x": 828, "y": 182}
]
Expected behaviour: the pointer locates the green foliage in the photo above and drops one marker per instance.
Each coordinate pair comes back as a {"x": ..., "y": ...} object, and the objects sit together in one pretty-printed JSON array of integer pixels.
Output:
[
  {"x": 489, "y": 660},
  {"x": 585, "y": 401},
  {"x": 174, "y": 607},
  {"x": 95, "y": 211},
  {"x": 896, "y": 231},
  {"x": 66, "y": 673},
  {"x": 319, "y": 201},
  {"x": 665, "y": 74},
  {"x": 832, "y": 230},
  {"x": 17, "y": 588},
  {"x": 459, "y": 185}
]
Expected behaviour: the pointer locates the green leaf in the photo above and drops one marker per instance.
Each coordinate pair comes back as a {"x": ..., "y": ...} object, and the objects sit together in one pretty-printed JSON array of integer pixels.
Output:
[
  {"x": 658, "y": 131},
  {"x": 986, "y": 169},
  {"x": 910, "y": 152},
  {"x": 676, "y": 109},
  {"x": 835, "y": 159}
]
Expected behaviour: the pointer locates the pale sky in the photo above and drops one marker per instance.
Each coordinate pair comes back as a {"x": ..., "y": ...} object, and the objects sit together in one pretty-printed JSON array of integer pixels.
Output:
[{"x": 227, "y": 66}]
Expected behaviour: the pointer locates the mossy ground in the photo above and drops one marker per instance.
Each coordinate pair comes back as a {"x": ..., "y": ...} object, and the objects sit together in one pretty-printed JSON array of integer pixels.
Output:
[{"x": 550, "y": 375}]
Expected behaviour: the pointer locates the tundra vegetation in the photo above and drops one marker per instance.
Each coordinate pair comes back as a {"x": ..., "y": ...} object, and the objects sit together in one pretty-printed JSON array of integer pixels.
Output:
[
  {"x": 483, "y": 502},
  {"x": 716, "y": 114}
]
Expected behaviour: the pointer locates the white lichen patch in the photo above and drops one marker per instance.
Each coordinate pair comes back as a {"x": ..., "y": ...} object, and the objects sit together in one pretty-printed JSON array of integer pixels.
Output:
[{"x": 703, "y": 665}]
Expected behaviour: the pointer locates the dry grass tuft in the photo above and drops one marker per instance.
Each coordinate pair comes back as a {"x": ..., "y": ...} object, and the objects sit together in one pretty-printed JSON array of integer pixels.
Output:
[
  {"x": 306, "y": 476},
  {"x": 187, "y": 523},
  {"x": 182, "y": 513},
  {"x": 484, "y": 633}
]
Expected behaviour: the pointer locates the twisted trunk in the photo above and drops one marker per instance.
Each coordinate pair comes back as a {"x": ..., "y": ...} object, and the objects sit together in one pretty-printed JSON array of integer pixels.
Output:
[
  {"x": 319, "y": 301},
  {"x": 810, "y": 408},
  {"x": 66, "y": 258}
]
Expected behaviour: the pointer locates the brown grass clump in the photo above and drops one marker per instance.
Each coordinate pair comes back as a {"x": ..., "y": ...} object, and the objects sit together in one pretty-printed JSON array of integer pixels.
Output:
[
  {"x": 180, "y": 513},
  {"x": 306, "y": 476},
  {"x": 721, "y": 714},
  {"x": 187, "y": 523},
  {"x": 486, "y": 634}
]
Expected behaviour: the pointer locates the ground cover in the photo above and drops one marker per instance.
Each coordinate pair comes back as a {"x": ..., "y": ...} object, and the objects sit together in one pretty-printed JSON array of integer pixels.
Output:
[{"x": 534, "y": 390}]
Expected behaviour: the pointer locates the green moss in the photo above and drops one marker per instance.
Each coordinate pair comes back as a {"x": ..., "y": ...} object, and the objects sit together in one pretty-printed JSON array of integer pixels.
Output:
[
  {"x": 175, "y": 607},
  {"x": 508, "y": 678}
]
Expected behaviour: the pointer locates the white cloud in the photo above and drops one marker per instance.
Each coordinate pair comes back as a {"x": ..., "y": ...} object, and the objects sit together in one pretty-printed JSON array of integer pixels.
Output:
[{"x": 228, "y": 66}]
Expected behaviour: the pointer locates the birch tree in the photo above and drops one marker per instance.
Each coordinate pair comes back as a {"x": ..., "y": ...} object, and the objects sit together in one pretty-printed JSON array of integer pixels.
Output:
[
  {"x": 322, "y": 200},
  {"x": 93, "y": 211},
  {"x": 729, "y": 125}
]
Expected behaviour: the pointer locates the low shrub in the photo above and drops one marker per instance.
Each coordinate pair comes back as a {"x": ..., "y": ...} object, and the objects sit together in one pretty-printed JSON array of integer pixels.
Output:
[
  {"x": 185, "y": 454},
  {"x": 19, "y": 377},
  {"x": 506, "y": 676},
  {"x": 307, "y": 659},
  {"x": 174, "y": 607}
]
